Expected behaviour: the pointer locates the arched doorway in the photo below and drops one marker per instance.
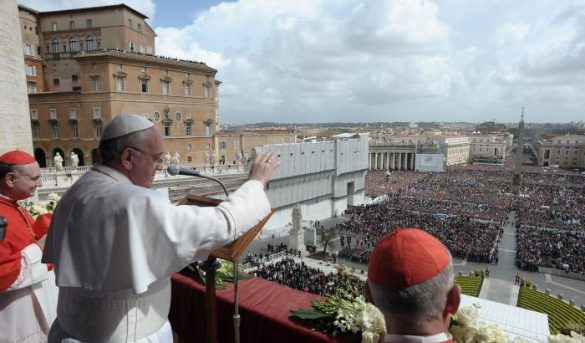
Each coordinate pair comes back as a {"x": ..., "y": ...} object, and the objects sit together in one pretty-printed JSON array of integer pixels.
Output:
[
  {"x": 55, "y": 151},
  {"x": 40, "y": 157},
  {"x": 95, "y": 156},
  {"x": 79, "y": 153}
]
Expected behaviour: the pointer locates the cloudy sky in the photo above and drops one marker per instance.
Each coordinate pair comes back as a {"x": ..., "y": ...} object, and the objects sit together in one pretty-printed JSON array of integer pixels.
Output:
[{"x": 378, "y": 60}]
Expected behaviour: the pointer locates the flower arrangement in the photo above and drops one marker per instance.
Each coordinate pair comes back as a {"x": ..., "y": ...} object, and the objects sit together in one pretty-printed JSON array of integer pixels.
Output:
[
  {"x": 466, "y": 328},
  {"x": 347, "y": 313},
  {"x": 37, "y": 209},
  {"x": 224, "y": 272}
]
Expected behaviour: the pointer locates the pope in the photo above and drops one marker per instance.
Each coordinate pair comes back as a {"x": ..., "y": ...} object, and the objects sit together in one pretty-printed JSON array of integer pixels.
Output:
[{"x": 115, "y": 242}]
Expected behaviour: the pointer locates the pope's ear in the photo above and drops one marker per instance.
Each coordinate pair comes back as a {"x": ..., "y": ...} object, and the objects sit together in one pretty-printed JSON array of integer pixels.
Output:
[{"x": 126, "y": 158}]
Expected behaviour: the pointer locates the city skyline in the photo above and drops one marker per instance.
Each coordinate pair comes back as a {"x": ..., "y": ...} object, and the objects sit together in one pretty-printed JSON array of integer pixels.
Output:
[{"x": 403, "y": 60}]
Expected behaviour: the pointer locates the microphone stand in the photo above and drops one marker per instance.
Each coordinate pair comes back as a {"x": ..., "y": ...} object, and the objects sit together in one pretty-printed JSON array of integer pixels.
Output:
[{"x": 236, "y": 272}]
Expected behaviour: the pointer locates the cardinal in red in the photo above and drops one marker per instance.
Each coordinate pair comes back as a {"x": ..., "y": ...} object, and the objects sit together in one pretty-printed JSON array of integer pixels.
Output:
[{"x": 28, "y": 294}]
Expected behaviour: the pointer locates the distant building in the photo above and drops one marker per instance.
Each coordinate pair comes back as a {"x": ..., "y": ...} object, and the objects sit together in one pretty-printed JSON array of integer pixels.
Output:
[
  {"x": 324, "y": 178},
  {"x": 490, "y": 148},
  {"x": 566, "y": 151},
  {"x": 491, "y": 127},
  {"x": 85, "y": 66},
  {"x": 233, "y": 145}
]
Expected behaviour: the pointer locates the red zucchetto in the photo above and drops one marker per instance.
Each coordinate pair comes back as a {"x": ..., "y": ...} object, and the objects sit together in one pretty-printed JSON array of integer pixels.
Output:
[
  {"x": 17, "y": 157},
  {"x": 407, "y": 257}
]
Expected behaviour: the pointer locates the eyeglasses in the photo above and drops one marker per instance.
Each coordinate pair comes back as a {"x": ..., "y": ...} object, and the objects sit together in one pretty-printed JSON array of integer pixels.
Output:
[{"x": 155, "y": 159}]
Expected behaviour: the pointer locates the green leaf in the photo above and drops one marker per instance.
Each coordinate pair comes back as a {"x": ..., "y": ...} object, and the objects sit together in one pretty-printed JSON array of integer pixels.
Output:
[{"x": 309, "y": 314}]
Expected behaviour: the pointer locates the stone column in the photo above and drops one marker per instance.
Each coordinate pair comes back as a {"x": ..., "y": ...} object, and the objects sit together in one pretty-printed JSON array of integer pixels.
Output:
[
  {"x": 412, "y": 159},
  {"x": 15, "y": 131},
  {"x": 392, "y": 161},
  {"x": 399, "y": 166}
]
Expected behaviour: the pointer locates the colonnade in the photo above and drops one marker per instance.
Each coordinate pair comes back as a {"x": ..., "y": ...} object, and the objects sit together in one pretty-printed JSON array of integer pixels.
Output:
[{"x": 392, "y": 160}]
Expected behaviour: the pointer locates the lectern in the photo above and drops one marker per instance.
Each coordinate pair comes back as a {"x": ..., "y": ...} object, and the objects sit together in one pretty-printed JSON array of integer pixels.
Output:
[{"x": 231, "y": 252}]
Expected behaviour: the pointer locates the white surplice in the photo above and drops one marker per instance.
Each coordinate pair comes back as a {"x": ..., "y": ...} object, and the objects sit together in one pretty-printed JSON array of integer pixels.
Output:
[
  {"x": 115, "y": 245},
  {"x": 28, "y": 306}
]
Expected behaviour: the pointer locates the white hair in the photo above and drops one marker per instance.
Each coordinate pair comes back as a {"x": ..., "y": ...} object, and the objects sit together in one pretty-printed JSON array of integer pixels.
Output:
[{"x": 411, "y": 306}]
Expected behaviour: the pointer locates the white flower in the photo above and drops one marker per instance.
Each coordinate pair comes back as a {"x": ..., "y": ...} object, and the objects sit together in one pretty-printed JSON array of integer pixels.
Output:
[
  {"x": 54, "y": 197},
  {"x": 38, "y": 209},
  {"x": 370, "y": 337},
  {"x": 560, "y": 338},
  {"x": 462, "y": 334},
  {"x": 467, "y": 316}
]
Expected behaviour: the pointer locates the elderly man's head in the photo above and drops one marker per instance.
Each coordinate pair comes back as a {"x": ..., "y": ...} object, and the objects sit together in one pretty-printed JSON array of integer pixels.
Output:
[
  {"x": 20, "y": 175},
  {"x": 131, "y": 145},
  {"x": 410, "y": 279}
]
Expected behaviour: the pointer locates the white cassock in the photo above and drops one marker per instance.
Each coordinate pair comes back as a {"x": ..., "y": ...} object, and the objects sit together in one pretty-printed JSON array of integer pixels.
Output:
[
  {"x": 115, "y": 245},
  {"x": 28, "y": 306}
]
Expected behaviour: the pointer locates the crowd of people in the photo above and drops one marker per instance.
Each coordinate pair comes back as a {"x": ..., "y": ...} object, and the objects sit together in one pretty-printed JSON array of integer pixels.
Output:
[
  {"x": 300, "y": 276},
  {"x": 469, "y": 238},
  {"x": 550, "y": 211}
]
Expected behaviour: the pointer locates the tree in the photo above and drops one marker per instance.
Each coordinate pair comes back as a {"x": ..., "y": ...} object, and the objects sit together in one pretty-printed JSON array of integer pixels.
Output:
[{"x": 326, "y": 237}]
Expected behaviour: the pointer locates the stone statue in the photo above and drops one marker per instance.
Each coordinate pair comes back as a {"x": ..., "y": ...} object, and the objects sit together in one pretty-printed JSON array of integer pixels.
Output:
[
  {"x": 245, "y": 157},
  {"x": 212, "y": 159},
  {"x": 167, "y": 158},
  {"x": 238, "y": 158},
  {"x": 296, "y": 237},
  {"x": 58, "y": 162},
  {"x": 74, "y": 160},
  {"x": 176, "y": 158},
  {"x": 207, "y": 158},
  {"x": 297, "y": 215}
]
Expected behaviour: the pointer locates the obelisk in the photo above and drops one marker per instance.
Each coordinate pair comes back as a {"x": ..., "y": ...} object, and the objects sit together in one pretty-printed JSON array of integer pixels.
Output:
[
  {"x": 517, "y": 178},
  {"x": 296, "y": 238}
]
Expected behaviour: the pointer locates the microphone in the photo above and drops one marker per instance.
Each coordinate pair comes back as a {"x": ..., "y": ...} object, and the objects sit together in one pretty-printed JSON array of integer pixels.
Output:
[{"x": 174, "y": 169}]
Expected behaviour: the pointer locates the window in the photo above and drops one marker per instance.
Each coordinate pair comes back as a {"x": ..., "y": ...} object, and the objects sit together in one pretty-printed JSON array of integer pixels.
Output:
[
  {"x": 189, "y": 147},
  {"x": 207, "y": 130},
  {"x": 53, "y": 113},
  {"x": 119, "y": 84},
  {"x": 131, "y": 46},
  {"x": 98, "y": 130},
  {"x": 130, "y": 23},
  {"x": 188, "y": 130},
  {"x": 71, "y": 24},
  {"x": 166, "y": 87},
  {"x": 139, "y": 27},
  {"x": 74, "y": 130},
  {"x": 56, "y": 82},
  {"x": 206, "y": 91},
  {"x": 88, "y": 23},
  {"x": 156, "y": 116},
  {"x": 222, "y": 145},
  {"x": 54, "y": 26},
  {"x": 189, "y": 159},
  {"x": 36, "y": 130},
  {"x": 30, "y": 70},
  {"x": 73, "y": 113},
  {"x": 74, "y": 78},
  {"x": 144, "y": 86},
  {"x": 34, "y": 115},
  {"x": 73, "y": 44},
  {"x": 95, "y": 83},
  {"x": 89, "y": 43},
  {"x": 54, "y": 130},
  {"x": 55, "y": 46},
  {"x": 28, "y": 50},
  {"x": 188, "y": 89},
  {"x": 97, "y": 113},
  {"x": 167, "y": 129},
  {"x": 178, "y": 116}
]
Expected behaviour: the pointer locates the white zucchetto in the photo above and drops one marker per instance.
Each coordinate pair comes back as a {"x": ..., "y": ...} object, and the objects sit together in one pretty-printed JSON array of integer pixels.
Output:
[{"x": 124, "y": 124}]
